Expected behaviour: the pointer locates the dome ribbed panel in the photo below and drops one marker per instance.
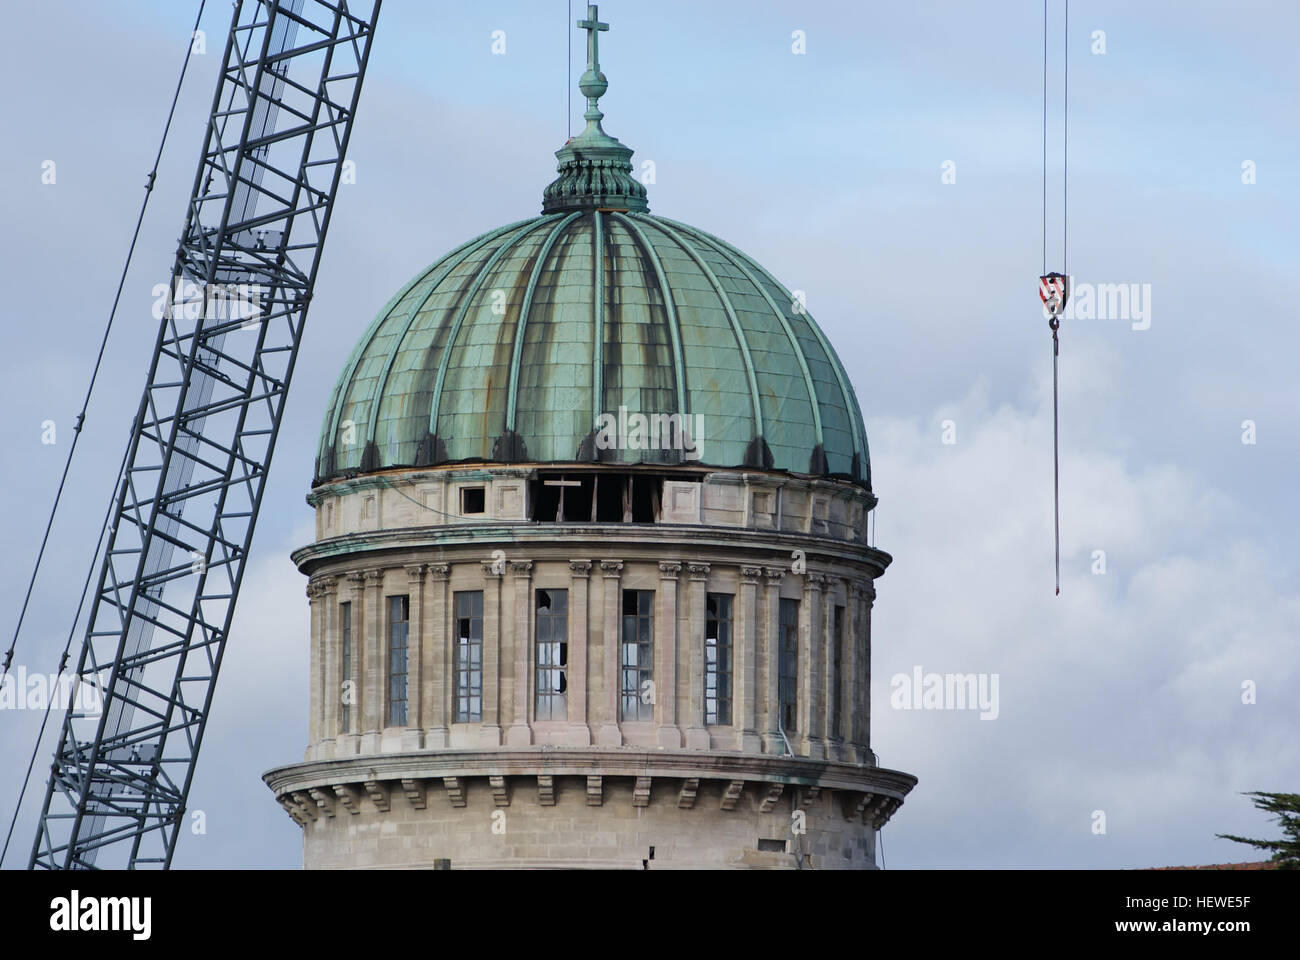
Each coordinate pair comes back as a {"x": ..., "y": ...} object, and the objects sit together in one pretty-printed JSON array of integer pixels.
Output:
[
  {"x": 471, "y": 410},
  {"x": 639, "y": 367},
  {"x": 840, "y": 415},
  {"x": 839, "y": 412},
  {"x": 553, "y": 410},
  {"x": 355, "y": 403},
  {"x": 715, "y": 383},
  {"x": 408, "y": 395},
  {"x": 690, "y": 326},
  {"x": 783, "y": 393}
]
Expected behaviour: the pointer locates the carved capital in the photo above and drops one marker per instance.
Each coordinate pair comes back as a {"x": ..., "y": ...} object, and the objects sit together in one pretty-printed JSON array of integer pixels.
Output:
[
  {"x": 669, "y": 569},
  {"x": 521, "y": 568},
  {"x": 862, "y": 590},
  {"x": 374, "y": 578},
  {"x": 611, "y": 568},
  {"x": 415, "y": 572},
  {"x": 816, "y": 581},
  {"x": 698, "y": 571},
  {"x": 355, "y": 577},
  {"x": 493, "y": 568},
  {"x": 439, "y": 571},
  {"x": 774, "y": 575},
  {"x": 580, "y": 568},
  {"x": 328, "y": 585},
  {"x": 751, "y": 574}
]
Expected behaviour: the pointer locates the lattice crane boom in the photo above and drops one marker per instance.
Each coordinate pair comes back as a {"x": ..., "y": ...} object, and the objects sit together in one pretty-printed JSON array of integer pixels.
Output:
[{"x": 205, "y": 430}]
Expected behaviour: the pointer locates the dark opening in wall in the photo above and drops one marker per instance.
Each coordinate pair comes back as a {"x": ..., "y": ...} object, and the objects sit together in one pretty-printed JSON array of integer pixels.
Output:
[
  {"x": 473, "y": 499},
  {"x": 645, "y": 498},
  {"x": 577, "y": 497},
  {"x": 771, "y": 846},
  {"x": 609, "y": 499}
]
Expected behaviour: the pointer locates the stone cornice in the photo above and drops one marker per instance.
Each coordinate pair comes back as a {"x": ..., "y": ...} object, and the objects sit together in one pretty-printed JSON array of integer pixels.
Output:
[
  {"x": 660, "y": 537},
  {"x": 549, "y": 761}
]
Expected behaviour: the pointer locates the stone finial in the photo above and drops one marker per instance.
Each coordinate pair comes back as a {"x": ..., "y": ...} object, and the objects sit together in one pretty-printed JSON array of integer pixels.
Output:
[{"x": 595, "y": 170}]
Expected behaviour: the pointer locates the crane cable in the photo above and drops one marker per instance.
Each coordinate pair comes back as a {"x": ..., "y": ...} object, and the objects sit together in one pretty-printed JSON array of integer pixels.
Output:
[
  {"x": 1054, "y": 321},
  {"x": 76, "y": 434}
]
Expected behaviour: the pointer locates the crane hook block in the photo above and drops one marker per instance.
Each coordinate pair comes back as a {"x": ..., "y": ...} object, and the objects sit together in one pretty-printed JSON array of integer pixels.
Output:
[{"x": 1054, "y": 291}]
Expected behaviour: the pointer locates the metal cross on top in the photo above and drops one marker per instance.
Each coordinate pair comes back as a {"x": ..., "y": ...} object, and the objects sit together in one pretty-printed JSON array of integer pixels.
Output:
[{"x": 594, "y": 27}]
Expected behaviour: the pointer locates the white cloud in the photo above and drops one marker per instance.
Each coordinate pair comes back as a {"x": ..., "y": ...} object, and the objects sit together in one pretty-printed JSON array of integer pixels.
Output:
[{"x": 1123, "y": 694}]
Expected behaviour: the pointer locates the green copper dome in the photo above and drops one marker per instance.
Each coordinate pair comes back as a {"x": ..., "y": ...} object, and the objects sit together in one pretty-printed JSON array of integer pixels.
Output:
[{"x": 526, "y": 343}]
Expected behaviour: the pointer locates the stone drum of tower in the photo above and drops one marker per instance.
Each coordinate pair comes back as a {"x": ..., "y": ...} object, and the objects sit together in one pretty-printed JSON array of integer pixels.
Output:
[{"x": 591, "y": 583}]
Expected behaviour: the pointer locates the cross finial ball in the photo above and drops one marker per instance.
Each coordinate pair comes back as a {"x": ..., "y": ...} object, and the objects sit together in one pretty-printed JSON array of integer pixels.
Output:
[{"x": 593, "y": 83}]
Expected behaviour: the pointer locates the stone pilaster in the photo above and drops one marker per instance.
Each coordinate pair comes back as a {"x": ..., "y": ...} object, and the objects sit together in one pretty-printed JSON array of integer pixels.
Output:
[
  {"x": 374, "y": 666},
  {"x": 744, "y": 711},
  {"x": 329, "y": 666},
  {"x": 697, "y": 733},
  {"x": 519, "y": 733},
  {"x": 315, "y": 710},
  {"x": 611, "y": 572},
  {"x": 770, "y": 658},
  {"x": 837, "y": 687},
  {"x": 579, "y": 578},
  {"x": 436, "y": 652},
  {"x": 349, "y": 741},
  {"x": 665, "y": 712},
  {"x": 812, "y": 654},
  {"x": 859, "y": 675},
  {"x": 868, "y": 600},
  {"x": 490, "y": 731},
  {"x": 411, "y": 739}
]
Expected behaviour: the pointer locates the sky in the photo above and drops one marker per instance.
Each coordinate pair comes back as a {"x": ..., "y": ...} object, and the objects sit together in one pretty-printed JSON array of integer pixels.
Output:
[{"x": 893, "y": 172}]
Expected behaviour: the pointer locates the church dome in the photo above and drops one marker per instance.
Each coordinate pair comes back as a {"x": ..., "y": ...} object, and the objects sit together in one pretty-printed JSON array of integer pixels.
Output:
[{"x": 552, "y": 339}]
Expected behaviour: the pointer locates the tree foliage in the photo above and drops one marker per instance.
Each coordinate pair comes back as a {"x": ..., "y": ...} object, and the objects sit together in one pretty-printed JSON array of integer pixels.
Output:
[{"x": 1286, "y": 807}]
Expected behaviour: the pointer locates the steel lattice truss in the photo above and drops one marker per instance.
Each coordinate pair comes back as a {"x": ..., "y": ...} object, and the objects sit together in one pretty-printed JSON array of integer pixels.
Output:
[{"x": 205, "y": 431}]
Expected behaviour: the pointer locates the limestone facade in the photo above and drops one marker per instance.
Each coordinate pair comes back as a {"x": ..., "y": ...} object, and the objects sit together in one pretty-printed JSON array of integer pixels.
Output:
[{"x": 492, "y": 690}]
